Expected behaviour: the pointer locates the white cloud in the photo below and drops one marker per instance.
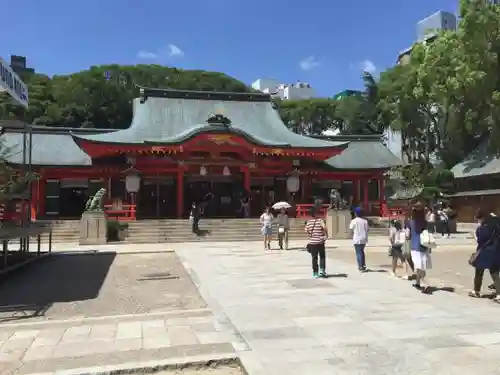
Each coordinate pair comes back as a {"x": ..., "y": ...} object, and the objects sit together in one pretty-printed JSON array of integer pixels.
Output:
[
  {"x": 175, "y": 51},
  {"x": 169, "y": 51},
  {"x": 368, "y": 66},
  {"x": 309, "y": 63},
  {"x": 145, "y": 55}
]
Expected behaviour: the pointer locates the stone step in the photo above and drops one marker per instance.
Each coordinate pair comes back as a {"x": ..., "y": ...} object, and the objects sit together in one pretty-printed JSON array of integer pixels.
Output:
[{"x": 179, "y": 230}]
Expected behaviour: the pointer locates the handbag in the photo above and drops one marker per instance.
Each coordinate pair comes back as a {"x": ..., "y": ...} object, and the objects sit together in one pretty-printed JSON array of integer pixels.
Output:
[
  {"x": 473, "y": 257},
  {"x": 427, "y": 240}
]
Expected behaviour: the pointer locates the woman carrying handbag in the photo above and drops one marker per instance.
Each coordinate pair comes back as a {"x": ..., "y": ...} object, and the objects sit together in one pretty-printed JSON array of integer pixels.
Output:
[{"x": 487, "y": 255}]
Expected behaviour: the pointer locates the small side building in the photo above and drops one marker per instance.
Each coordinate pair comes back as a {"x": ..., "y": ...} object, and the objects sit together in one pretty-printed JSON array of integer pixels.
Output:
[{"x": 477, "y": 183}]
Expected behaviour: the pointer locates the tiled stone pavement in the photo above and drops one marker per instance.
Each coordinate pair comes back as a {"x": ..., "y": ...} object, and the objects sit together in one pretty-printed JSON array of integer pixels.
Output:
[
  {"x": 58, "y": 345},
  {"x": 359, "y": 324}
]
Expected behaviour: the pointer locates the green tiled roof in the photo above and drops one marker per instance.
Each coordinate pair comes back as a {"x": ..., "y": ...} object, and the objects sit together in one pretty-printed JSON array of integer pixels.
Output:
[
  {"x": 480, "y": 162},
  {"x": 173, "y": 116},
  {"x": 50, "y": 147},
  {"x": 363, "y": 152}
]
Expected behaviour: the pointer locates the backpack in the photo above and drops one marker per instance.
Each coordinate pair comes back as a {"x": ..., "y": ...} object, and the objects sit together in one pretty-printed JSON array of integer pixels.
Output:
[
  {"x": 427, "y": 239},
  {"x": 400, "y": 238}
]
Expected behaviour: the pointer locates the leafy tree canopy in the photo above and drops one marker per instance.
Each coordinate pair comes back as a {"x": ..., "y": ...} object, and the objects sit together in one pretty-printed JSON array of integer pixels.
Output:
[
  {"x": 101, "y": 96},
  {"x": 312, "y": 116}
]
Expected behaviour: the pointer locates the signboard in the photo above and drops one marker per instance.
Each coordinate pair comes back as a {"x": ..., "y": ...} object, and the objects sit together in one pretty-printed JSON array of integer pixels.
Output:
[{"x": 10, "y": 82}]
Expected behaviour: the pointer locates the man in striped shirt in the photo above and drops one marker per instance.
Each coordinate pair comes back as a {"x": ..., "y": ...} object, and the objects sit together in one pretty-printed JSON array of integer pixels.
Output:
[{"x": 316, "y": 229}]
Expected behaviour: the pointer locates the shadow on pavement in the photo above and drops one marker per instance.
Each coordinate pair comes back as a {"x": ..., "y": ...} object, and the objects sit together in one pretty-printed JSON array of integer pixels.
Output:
[
  {"x": 31, "y": 291},
  {"x": 158, "y": 276},
  {"x": 336, "y": 275},
  {"x": 432, "y": 289},
  {"x": 376, "y": 270}
]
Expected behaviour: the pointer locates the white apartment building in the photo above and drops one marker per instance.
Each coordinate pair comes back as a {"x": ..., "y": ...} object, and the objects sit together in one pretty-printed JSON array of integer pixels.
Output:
[{"x": 298, "y": 90}]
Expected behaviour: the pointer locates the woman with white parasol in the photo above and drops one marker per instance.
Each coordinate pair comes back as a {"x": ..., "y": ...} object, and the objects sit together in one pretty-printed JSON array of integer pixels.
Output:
[{"x": 283, "y": 223}]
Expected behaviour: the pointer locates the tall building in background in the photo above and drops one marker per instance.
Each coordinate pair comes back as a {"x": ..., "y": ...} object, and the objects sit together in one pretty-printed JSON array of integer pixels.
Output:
[
  {"x": 18, "y": 64},
  {"x": 297, "y": 90},
  {"x": 435, "y": 23}
]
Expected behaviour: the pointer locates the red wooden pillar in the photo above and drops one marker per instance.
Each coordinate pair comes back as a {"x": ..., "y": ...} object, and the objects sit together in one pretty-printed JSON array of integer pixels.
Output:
[
  {"x": 180, "y": 192},
  {"x": 303, "y": 182},
  {"x": 365, "y": 195},
  {"x": 41, "y": 196},
  {"x": 247, "y": 184},
  {"x": 246, "y": 177},
  {"x": 35, "y": 198},
  {"x": 381, "y": 191},
  {"x": 355, "y": 195}
]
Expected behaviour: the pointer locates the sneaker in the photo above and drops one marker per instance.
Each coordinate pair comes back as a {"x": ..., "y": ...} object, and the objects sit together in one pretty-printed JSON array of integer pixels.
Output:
[
  {"x": 315, "y": 275},
  {"x": 392, "y": 274},
  {"x": 491, "y": 286},
  {"x": 426, "y": 290},
  {"x": 474, "y": 294},
  {"x": 322, "y": 273},
  {"x": 496, "y": 299}
]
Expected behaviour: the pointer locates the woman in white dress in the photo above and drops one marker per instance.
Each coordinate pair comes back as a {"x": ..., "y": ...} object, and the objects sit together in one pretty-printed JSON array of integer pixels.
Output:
[{"x": 266, "y": 222}]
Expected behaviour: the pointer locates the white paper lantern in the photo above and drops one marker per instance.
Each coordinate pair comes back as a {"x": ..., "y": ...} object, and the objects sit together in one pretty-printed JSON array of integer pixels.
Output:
[
  {"x": 293, "y": 184},
  {"x": 132, "y": 183},
  {"x": 203, "y": 171},
  {"x": 226, "y": 171}
]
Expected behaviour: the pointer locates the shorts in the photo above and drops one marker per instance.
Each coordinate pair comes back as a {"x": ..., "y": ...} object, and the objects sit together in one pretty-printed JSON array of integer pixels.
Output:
[
  {"x": 397, "y": 252},
  {"x": 266, "y": 231}
]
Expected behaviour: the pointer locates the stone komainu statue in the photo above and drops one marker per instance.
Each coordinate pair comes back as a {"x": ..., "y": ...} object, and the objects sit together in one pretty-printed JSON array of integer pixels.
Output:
[
  {"x": 334, "y": 199},
  {"x": 95, "y": 203}
]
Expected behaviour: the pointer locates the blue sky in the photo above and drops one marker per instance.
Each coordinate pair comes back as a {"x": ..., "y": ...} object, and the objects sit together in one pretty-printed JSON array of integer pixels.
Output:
[{"x": 324, "y": 42}]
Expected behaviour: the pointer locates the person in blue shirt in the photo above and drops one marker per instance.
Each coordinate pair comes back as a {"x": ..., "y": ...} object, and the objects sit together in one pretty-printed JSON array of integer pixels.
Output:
[
  {"x": 420, "y": 255},
  {"x": 487, "y": 256}
]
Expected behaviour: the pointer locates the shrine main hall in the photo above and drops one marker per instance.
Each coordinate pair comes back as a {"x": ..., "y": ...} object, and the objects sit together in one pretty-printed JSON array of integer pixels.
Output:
[{"x": 184, "y": 146}]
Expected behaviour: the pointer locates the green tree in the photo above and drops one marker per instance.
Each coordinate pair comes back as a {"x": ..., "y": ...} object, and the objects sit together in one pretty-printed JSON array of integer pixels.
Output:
[
  {"x": 101, "y": 96},
  {"x": 360, "y": 114},
  {"x": 312, "y": 116}
]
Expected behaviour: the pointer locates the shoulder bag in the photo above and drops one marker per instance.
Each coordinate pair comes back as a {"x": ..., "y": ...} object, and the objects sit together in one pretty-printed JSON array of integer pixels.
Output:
[{"x": 308, "y": 247}]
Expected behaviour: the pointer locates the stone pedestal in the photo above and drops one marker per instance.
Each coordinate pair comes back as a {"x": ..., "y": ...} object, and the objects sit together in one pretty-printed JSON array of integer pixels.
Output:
[
  {"x": 453, "y": 225},
  {"x": 93, "y": 228},
  {"x": 337, "y": 223}
]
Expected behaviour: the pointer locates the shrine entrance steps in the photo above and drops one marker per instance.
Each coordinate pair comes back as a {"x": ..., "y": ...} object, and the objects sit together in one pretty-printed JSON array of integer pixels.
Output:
[
  {"x": 213, "y": 230},
  {"x": 179, "y": 230}
]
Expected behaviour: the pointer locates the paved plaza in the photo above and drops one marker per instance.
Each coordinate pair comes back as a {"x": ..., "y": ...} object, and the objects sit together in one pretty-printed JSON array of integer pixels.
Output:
[{"x": 127, "y": 306}]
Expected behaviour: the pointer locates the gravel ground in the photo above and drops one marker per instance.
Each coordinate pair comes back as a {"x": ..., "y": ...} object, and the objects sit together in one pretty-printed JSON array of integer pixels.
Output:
[{"x": 87, "y": 285}]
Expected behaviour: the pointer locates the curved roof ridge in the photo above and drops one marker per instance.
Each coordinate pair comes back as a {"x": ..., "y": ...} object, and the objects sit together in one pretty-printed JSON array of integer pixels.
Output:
[
  {"x": 171, "y": 120},
  {"x": 149, "y": 92}
]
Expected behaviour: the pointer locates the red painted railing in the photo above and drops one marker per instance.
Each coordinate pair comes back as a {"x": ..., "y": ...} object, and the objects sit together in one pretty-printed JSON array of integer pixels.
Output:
[
  {"x": 304, "y": 210},
  {"x": 127, "y": 212},
  {"x": 392, "y": 212},
  {"x": 16, "y": 213}
]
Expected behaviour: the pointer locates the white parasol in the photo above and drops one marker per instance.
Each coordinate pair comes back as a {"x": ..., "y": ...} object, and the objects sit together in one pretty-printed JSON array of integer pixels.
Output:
[{"x": 280, "y": 205}]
